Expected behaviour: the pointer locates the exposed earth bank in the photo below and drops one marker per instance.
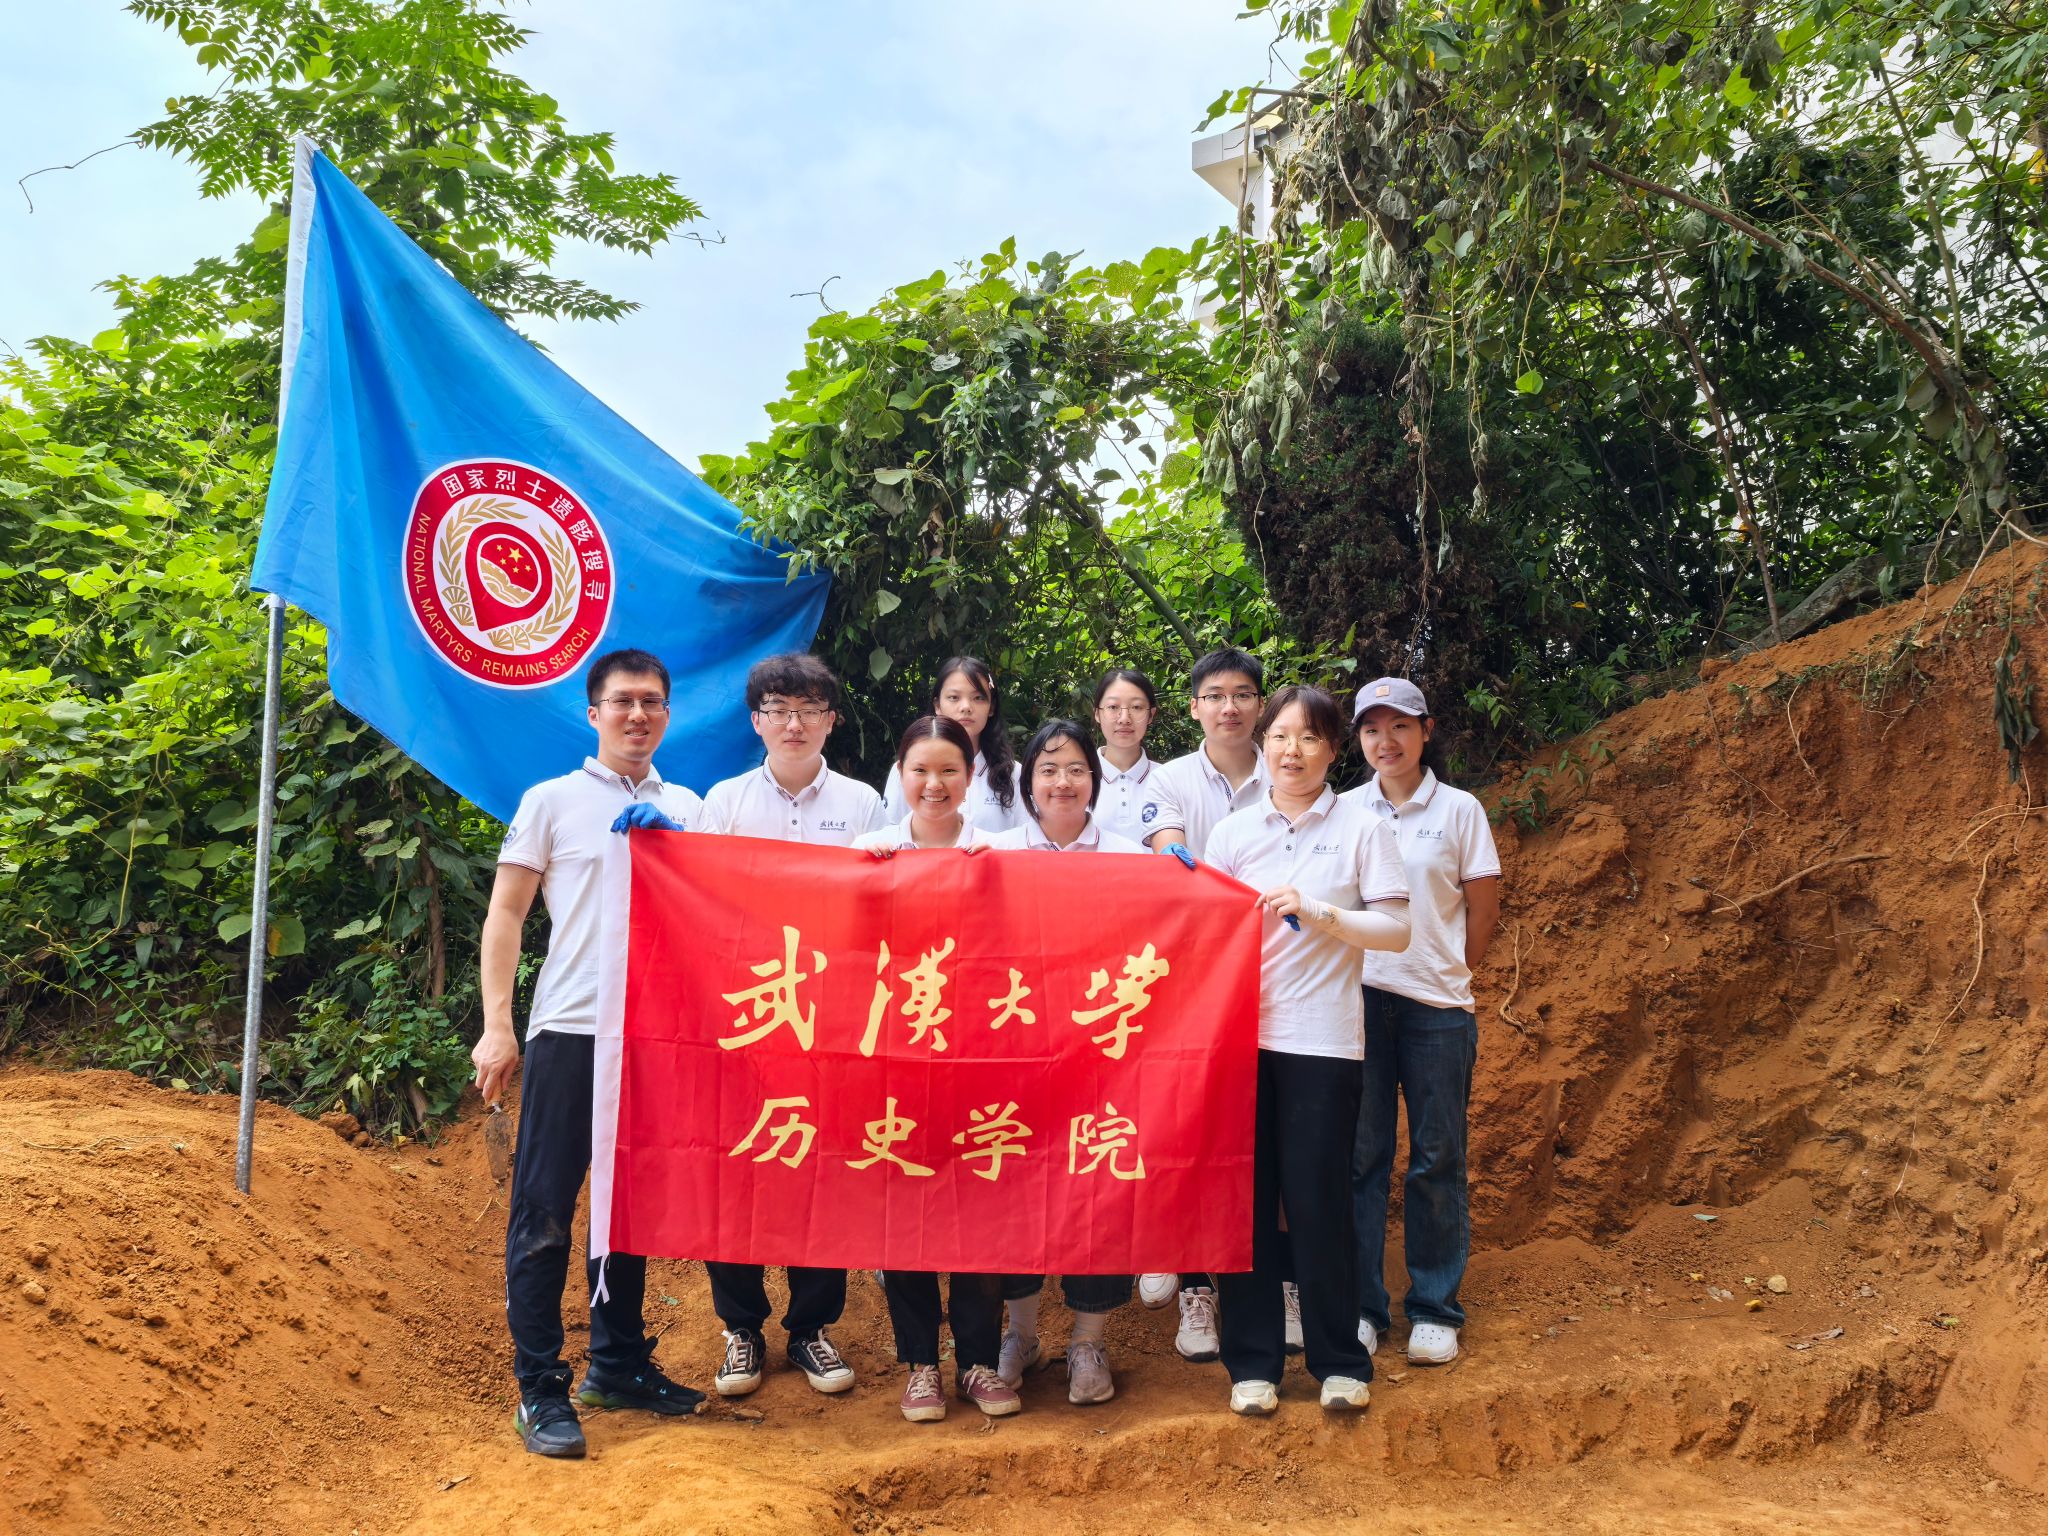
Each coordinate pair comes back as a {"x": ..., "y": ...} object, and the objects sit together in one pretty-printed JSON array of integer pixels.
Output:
[{"x": 1759, "y": 1134}]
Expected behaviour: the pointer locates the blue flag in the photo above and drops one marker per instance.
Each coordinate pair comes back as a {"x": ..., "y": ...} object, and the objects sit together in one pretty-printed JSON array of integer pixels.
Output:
[{"x": 473, "y": 527}]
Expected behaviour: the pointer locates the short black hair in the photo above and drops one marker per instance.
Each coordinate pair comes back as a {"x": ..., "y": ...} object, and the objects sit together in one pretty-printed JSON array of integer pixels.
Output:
[
  {"x": 1324, "y": 718},
  {"x": 1131, "y": 675},
  {"x": 629, "y": 661},
  {"x": 794, "y": 675},
  {"x": 1050, "y": 735},
  {"x": 1229, "y": 659},
  {"x": 936, "y": 728}
]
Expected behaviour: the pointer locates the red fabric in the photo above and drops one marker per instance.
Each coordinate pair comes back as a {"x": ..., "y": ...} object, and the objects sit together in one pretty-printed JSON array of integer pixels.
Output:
[{"x": 708, "y": 918}]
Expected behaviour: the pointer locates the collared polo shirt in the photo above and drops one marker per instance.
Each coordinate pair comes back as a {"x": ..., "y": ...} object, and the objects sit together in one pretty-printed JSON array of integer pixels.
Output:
[
  {"x": 832, "y": 809},
  {"x": 980, "y": 807},
  {"x": 1094, "y": 838},
  {"x": 1444, "y": 841},
  {"x": 1338, "y": 852},
  {"x": 1121, "y": 805},
  {"x": 1192, "y": 794},
  {"x": 561, "y": 831},
  {"x": 897, "y": 835}
]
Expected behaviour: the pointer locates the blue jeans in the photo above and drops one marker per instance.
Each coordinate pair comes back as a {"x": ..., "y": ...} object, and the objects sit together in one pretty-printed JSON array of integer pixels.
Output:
[{"x": 1425, "y": 1055}]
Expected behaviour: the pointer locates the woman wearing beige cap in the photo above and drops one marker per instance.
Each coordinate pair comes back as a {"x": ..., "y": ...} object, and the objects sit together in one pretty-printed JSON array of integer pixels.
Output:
[{"x": 1420, "y": 1034}]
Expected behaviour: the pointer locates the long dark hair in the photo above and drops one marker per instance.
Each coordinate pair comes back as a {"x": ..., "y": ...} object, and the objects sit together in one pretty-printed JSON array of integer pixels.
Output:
[
  {"x": 996, "y": 751},
  {"x": 1050, "y": 735}
]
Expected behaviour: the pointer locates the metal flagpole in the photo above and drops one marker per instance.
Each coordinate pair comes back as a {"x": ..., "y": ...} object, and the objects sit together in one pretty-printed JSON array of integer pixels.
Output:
[{"x": 259, "y": 900}]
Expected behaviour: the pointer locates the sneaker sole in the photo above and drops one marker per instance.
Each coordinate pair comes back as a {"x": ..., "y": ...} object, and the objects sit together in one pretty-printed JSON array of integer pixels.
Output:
[
  {"x": 1346, "y": 1405},
  {"x": 558, "y": 1453},
  {"x": 1199, "y": 1357},
  {"x": 831, "y": 1386},
  {"x": 1083, "y": 1402},
  {"x": 678, "y": 1409},
  {"x": 740, "y": 1388},
  {"x": 925, "y": 1415},
  {"x": 998, "y": 1410},
  {"x": 1293, "y": 1349},
  {"x": 1258, "y": 1408},
  {"x": 1421, "y": 1360}
]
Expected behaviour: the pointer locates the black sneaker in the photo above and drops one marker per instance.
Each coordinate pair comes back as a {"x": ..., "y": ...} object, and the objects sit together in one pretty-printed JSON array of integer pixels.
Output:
[
  {"x": 547, "y": 1423},
  {"x": 821, "y": 1363},
  {"x": 647, "y": 1388},
  {"x": 741, "y": 1372}
]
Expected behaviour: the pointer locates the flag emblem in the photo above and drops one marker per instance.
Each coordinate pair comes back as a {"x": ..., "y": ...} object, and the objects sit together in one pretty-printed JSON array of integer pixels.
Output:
[{"x": 507, "y": 572}]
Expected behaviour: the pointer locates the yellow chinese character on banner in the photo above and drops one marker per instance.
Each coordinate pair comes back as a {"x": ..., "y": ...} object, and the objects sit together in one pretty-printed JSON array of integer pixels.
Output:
[
  {"x": 923, "y": 1009},
  {"x": 779, "y": 1137},
  {"x": 1132, "y": 996},
  {"x": 1103, "y": 1138},
  {"x": 995, "y": 1132},
  {"x": 884, "y": 1134},
  {"x": 1011, "y": 1006},
  {"x": 775, "y": 1001}
]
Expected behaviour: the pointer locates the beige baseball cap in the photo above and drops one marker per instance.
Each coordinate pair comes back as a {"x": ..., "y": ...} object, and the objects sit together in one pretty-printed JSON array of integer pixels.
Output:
[{"x": 1396, "y": 693}]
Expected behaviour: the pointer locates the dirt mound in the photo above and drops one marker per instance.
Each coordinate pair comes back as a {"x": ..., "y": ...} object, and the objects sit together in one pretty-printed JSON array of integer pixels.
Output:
[{"x": 1756, "y": 1135}]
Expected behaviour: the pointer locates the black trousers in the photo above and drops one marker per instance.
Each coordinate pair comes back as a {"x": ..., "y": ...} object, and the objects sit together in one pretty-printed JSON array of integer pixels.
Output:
[
  {"x": 975, "y": 1308},
  {"x": 553, "y": 1157},
  {"x": 816, "y": 1298},
  {"x": 1082, "y": 1293},
  {"x": 1301, "y": 1160}
]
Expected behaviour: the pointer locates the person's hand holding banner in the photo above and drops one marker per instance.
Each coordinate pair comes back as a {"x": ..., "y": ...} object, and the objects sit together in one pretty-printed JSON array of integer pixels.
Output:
[{"x": 1021, "y": 1062}]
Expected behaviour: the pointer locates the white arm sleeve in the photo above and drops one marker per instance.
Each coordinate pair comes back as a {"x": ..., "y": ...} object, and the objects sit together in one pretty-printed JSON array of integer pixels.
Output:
[{"x": 1383, "y": 925}]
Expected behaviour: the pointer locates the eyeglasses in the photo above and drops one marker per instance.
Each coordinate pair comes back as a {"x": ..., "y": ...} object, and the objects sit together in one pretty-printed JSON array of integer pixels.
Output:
[
  {"x": 1076, "y": 773},
  {"x": 1307, "y": 741},
  {"x": 804, "y": 717},
  {"x": 1243, "y": 699},
  {"x": 1123, "y": 709},
  {"x": 626, "y": 703}
]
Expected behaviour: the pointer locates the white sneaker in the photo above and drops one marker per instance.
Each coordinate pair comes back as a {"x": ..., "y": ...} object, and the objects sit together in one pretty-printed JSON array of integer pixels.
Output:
[
  {"x": 1290, "y": 1298},
  {"x": 1197, "y": 1338},
  {"x": 1345, "y": 1392},
  {"x": 1253, "y": 1397},
  {"x": 1157, "y": 1290},
  {"x": 1088, "y": 1378},
  {"x": 1017, "y": 1357},
  {"x": 1369, "y": 1336},
  {"x": 1432, "y": 1344}
]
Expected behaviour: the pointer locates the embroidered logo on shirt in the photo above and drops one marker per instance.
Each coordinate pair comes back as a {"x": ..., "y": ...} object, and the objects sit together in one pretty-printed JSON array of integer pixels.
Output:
[
  {"x": 1436, "y": 834},
  {"x": 1149, "y": 814},
  {"x": 831, "y": 826},
  {"x": 1326, "y": 848}
]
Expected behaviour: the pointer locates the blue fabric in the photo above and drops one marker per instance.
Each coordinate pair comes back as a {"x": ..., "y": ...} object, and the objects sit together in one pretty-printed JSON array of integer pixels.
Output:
[
  {"x": 398, "y": 375},
  {"x": 1424, "y": 1055}
]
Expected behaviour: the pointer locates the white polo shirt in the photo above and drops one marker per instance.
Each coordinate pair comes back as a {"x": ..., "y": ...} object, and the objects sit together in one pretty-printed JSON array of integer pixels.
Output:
[
  {"x": 832, "y": 809},
  {"x": 1192, "y": 794},
  {"x": 1338, "y": 852},
  {"x": 897, "y": 835},
  {"x": 981, "y": 806},
  {"x": 560, "y": 832},
  {"x": 1094, "y": 838},
  {"x": 1444, "y": 841},
  {"x": 1121, "y": 805}
]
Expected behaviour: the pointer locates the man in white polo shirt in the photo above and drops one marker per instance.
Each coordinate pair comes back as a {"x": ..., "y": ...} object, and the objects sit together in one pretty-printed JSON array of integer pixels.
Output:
[
  {"x": 556, "y": 846},
  {"x": 1184, "y": 801},
  {"x": 794, "y": 797}
]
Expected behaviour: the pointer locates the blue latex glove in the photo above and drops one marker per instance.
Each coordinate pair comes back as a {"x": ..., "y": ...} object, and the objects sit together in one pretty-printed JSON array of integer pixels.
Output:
[
  {"x": 1292, "y": 921},
  {"x": 644, "y": 813},
  {"x": 1182, "y": 852}
]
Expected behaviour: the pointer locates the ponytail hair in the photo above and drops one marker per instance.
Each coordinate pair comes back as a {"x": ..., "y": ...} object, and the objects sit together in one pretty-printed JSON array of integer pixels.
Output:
[
  {"x": 996, "y": 752},
  {"x": 937, "y": 728}
]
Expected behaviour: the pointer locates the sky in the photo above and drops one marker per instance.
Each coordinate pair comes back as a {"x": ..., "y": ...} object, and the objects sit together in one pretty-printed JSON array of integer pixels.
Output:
[{"x": 871, "y": 143}]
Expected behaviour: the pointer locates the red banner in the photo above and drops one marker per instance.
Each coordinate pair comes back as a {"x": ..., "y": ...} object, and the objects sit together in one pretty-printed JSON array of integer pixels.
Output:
[{"x": 988, "y": 1061}]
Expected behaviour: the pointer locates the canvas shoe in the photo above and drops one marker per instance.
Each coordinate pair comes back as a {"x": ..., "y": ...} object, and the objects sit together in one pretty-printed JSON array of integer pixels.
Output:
[
  {"x": 923, "y": 1400},
  {"x": 1088, "y": 1378},
  {"x": 547, "y": 1423},
  {"x": 1432, "y": 1344},
  {"x": 823, "y": 1366},
  {"x": 995, "y": 1397},
  {"x": 1017, "y": 1357},
  {"x": 1157, "y": 1290},
  {"x": 1345, "y": 1392},
  {"x": 1290, "y": 1299},
  {"x": 1197, "y": 1338},
  {"x": 1369, "y": 1336},
  {"x": 741, "y": 1372},
  {"x": 1254, "y": 1399}
]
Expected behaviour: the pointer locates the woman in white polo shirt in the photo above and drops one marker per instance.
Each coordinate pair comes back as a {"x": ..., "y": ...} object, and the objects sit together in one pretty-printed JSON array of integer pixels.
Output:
[
  {"x": 932, "y": 760},
  {"x": 1334, "y": 869},
  {"x": 1125, "y": 703},
  {"x": 1062, "y": 783},
  {"x": 1420, "y": 1034},
  {"x": 967, "y": 695}
]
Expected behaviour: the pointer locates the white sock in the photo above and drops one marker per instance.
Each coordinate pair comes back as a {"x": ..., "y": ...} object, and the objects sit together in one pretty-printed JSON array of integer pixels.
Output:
[
  {"x": 1088, "y": 1327},
  {"x": 1024, "y": 1317}
]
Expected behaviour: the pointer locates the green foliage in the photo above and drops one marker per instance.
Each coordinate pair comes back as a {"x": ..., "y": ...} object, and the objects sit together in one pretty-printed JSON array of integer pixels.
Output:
[{"x": 132, "y": 477}]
